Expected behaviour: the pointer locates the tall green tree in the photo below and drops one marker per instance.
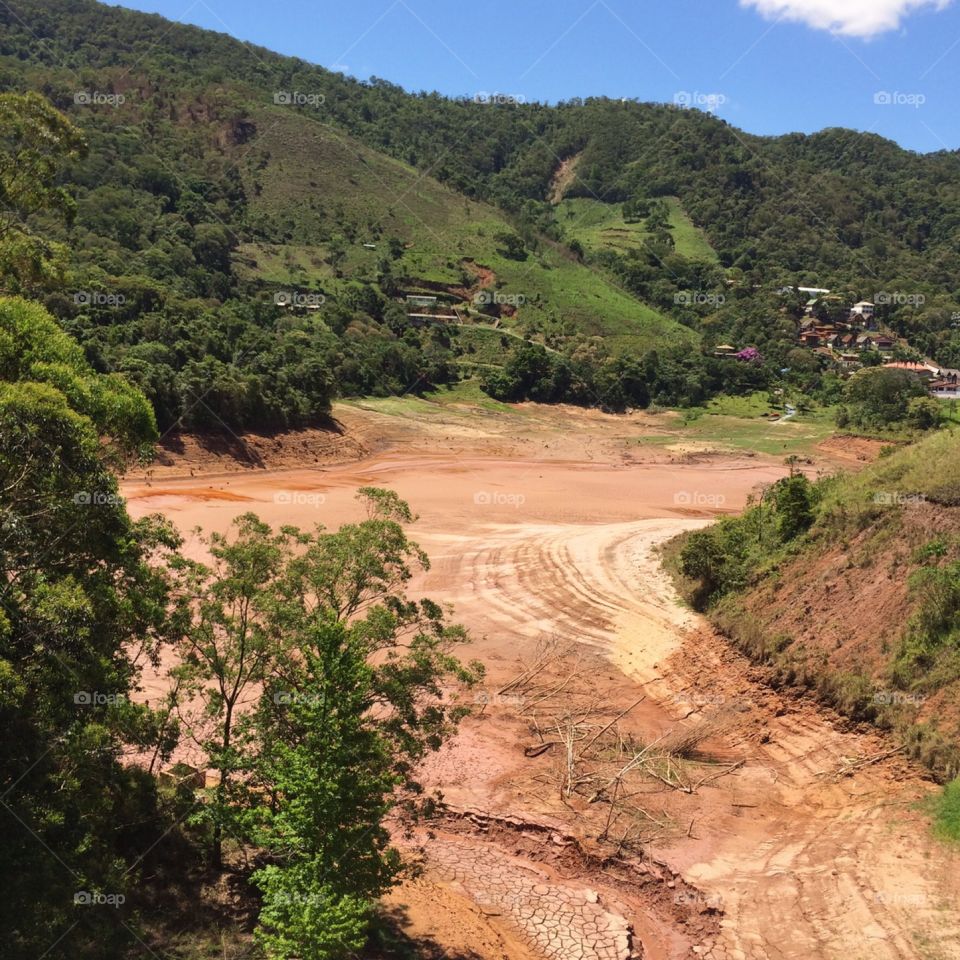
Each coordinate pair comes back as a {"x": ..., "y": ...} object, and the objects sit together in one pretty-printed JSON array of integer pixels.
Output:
[
  {"x": 332, "y": 773},
  {"x": 82, "y": 609},
  {"x": 232, "y": 636},
  {"x": 314, "y": 686},
  {"x": 356, "y": 682}
]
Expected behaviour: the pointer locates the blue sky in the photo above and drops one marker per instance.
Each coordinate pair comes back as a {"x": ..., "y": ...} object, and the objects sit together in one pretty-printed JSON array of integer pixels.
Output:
[{"x": 769, "y": 66}]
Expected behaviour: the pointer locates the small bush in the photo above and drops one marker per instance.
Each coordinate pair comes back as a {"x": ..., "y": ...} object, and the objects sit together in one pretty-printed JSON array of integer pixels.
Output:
[{"x": 928, "y": 746}]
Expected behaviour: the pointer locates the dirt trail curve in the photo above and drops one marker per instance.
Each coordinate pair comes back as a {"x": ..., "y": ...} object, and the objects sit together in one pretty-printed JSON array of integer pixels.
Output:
[{"x": 807, "y": 864}]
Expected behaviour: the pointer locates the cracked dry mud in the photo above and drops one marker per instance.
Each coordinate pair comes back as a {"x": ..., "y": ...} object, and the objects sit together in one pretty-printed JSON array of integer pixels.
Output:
[{"x": 560, "y": 921}]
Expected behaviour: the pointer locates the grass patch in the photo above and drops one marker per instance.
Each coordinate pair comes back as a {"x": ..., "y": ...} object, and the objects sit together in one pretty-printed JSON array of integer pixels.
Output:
[
  {"x": 753, "y": 405},
  {"x": 743, "y": 423},
  {"x": 950, "y": 411},
  {"x": 299, "y": 265},
  {"x": 775, "y": 439},
  {"x": 468, "y": 393},
  {"x": 691, "y": 241},
  {"x": 946, "y": 812},
  {"x": 443, "y": 401},
  {"x": 925, "y": 470},
  {"x": 737, "y": 423},
  {"x": 412, "y": 407},
  {"x": 600, "y": 226}
]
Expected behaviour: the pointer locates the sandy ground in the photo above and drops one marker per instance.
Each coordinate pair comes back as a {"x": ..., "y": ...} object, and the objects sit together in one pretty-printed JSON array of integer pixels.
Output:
[{"x": 543, "y": 529}]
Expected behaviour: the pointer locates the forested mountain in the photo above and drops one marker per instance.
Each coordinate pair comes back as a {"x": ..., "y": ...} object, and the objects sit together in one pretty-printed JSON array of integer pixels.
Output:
[{"x": 220, "y": 176}]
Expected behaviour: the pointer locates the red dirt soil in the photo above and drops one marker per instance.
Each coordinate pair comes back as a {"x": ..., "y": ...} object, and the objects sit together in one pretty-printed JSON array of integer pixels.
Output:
[{"x": 546, "y": 526}]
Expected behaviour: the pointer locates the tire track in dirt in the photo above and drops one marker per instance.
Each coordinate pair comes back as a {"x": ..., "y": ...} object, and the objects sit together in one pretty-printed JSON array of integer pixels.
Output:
[{"x": 806, "y": 867}]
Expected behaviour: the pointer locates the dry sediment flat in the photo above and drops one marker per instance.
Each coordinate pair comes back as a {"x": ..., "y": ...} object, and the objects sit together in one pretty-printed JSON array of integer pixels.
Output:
[{"x": 545, "y": 526}]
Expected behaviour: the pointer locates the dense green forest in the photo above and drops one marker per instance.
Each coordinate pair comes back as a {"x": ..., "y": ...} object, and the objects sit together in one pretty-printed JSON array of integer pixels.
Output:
[{"x": 218, "y": 177}]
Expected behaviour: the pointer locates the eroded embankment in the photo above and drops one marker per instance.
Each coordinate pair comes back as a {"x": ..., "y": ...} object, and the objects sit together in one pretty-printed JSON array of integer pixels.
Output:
[{"x": 861, "y": 609}]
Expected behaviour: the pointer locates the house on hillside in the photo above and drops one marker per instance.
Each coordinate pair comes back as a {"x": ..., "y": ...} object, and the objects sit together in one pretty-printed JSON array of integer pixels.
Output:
[
  {"x": 946, "y": 388},
  {"x": 724, "y": 350},
  {"x": 864, "y": 310}
]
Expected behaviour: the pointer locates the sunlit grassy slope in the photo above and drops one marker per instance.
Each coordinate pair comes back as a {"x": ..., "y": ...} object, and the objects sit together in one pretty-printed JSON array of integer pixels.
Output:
[
  {"x": 600, "y": 226},
  {"x": 310, "y": 179}
]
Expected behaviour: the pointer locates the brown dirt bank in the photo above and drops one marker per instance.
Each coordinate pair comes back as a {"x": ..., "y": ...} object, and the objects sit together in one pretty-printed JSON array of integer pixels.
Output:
[
  {"x": 191, "y": 454},
  {"x": 838, "y": 615}
]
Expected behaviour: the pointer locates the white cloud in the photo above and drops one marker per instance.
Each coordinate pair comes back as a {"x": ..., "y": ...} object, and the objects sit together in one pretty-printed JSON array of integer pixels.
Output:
[{"x": 851, "y": 18}]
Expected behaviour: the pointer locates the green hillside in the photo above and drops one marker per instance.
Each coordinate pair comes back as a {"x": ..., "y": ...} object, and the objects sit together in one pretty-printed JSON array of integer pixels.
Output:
[
  {"x": 601, "y": 226},
  {"x": 376, "y": 198},
  {"x": 217, "y": 174}
]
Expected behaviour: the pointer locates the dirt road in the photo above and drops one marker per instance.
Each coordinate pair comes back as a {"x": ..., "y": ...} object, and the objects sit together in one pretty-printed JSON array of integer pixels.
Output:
[{"x": 533, "y": 540}]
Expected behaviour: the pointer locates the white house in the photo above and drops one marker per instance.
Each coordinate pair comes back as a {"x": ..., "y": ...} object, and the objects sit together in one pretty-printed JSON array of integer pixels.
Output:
[{"x": 946, "y": 386}]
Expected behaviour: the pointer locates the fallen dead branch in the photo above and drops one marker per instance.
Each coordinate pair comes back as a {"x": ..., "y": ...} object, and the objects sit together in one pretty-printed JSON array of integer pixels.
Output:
[
  {"x": 850, "y": 765},
  {"x": 598, "y": 757},
  {"x": 616, "y": 719},
  {"x": 684, "y": 741}
]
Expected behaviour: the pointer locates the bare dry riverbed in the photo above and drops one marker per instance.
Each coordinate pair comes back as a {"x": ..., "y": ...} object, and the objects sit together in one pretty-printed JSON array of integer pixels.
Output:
[{"x": 772, "y": 839}]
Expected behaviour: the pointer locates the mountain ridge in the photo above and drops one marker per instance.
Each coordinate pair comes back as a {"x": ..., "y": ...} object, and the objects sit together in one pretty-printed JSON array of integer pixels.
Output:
[{"x": 694, "y": 225}]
